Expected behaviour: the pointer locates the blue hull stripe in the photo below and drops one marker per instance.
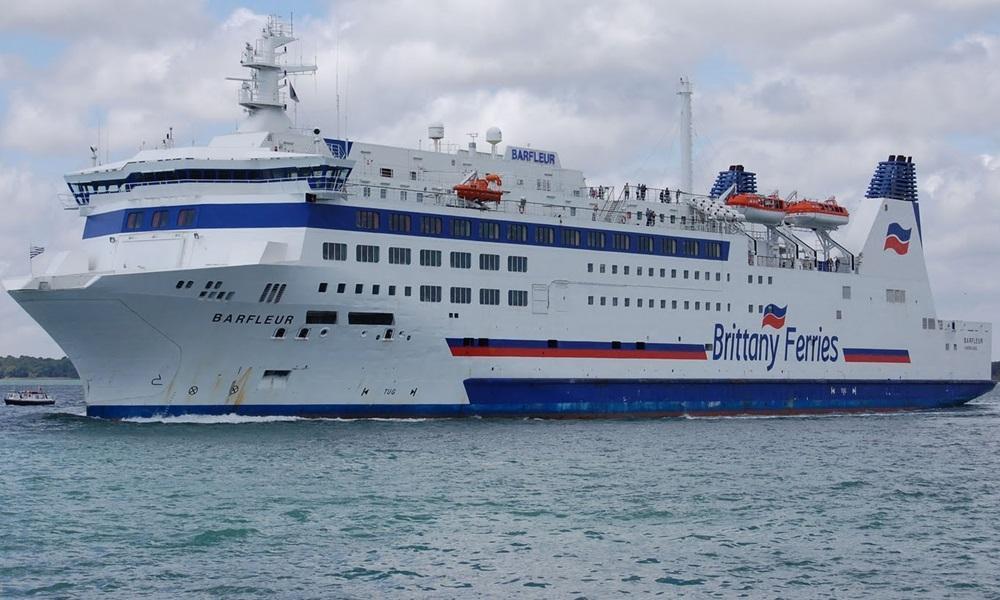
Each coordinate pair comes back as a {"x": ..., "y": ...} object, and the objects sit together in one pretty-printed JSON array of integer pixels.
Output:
[
  {"x": 570, "y": 398},
  {"x": 345, "y": 218}
]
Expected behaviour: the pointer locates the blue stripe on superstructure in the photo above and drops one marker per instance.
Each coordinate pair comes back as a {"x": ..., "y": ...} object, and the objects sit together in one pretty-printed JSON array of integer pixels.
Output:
[
  {"x": 571, "y": 398},
  {"x": 344, "y": 218},
  {"x": 877, "y": 351}
]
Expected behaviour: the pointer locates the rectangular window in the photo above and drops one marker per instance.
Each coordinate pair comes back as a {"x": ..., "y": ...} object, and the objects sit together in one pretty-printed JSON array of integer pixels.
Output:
[
  {"x": 133, "y": 220},
  {"x": 846, "y": 292},
  {"x": 461, "y": 228},
  {"x": 518, "y": 297},
  {"x": 489, "y": 296},
  {"x": 571, "y": 238},
  {"x": 359, "y": 288},
  {"x": 334, "y": 251},
  {"x": 590, "y": 300},
  {"x": 161, "y": 219},
  {"x": 399, "y": 256},
  {"x": 384, "y": 172},
  {"x": 366, "y": 192},
  {"x": 595, "y": 239},
  {"x": 620, "y": 241},
  {"x": 690, "y": 247},
  {"x": 413, "y": 175},
  {"x": 602, "y": 268},
  {"x": 375, "y": 289},
  {"x": 489, "y": 262},
  {"x": 402, "y": 195},
  {"x": 625, "y": 270},
  {"x": 369, "y": 318},
  {"x": 399, "y": 222},
  {"x": 614, "y": 269},
  {"x": 645, "y": 244},
  {"x": 545, "y": 235},
  {"x": 517, "y": 233},
  {"x": 430, "y": 293},
  {"x": 430, "y": 258},
  {"x": 670, "y": 246},
  {"x": 461, "y": 295},
  {"x": 367, "y": 219},
  {"x": 341, "y": 287},
  {"x": 322, "y": 288},
  {"x": 461, "y": 260},
  {"x": 382, "y": 193},
  {"x": 519, "y": 264},
  {"x": 489, "y": 231},
  {"x": 185, "y": 217},
  {"x": 431, "y": 225},
  {"x": 321, "y": 317},
  {"x": 366, "y": 253},
  {"x": 420, "y": 196}
]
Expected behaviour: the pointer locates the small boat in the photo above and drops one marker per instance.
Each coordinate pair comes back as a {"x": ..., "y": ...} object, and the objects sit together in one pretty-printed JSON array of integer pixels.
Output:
[
  {"x": 817, "y": 215},
  {"x": 480, "y": 189},
  {"x": 28, "y": 398},
  {"x": 768, "y": 210}
]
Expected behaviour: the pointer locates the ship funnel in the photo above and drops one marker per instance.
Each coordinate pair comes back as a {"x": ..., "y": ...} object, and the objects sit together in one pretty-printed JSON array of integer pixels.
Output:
[
  {"x": 894, "y": 178},
  {"x": 745, "y": 181}
]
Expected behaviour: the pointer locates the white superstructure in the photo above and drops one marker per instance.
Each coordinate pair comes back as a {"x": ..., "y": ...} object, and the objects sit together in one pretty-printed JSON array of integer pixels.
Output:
[{"x": 280, "y": 272}]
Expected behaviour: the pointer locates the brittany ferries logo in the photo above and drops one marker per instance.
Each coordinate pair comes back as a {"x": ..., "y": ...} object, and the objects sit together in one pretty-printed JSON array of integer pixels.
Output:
[
  {"x": 897, "y": 239},
  {"x": 743, "y": 345}
]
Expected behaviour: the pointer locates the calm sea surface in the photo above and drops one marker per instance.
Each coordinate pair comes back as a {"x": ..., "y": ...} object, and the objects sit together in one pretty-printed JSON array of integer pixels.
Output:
[{"x": 896, "y": 506}]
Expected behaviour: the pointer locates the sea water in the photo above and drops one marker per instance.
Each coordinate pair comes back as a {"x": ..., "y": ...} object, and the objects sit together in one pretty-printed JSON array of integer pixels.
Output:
[{"x": 889, "y": 506}]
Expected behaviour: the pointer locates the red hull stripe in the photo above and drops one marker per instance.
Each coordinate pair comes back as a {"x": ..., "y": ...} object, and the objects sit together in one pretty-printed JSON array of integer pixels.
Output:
[
  {"x": 576, "y": 353},
  {"x": 875, "y": 358}
]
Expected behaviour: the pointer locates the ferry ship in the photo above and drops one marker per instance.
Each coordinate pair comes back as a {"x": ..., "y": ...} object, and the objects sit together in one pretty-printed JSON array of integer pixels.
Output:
[{"x": 277, "y": 271}]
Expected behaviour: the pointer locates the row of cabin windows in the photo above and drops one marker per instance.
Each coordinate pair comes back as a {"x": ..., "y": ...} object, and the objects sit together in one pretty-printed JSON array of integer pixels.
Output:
[
  {"x": 545, "y": 235},
  {"x": 160, "y": 219},
  {"x": 210, "y": 175},
  {"x": 432, "y": 293},
  {"x": 651, "y": 272},
  {"x": 652, "y": 303},
  {"x": 428, "y": 258},
  {"x": 760, "y": 279}
]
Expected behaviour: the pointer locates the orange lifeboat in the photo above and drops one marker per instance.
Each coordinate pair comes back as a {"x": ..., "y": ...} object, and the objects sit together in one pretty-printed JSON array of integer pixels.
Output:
[
  {"x": 817, "y": 215},
  {"x": 480, "y": 189},
  {"x": 769, "y": 210}
]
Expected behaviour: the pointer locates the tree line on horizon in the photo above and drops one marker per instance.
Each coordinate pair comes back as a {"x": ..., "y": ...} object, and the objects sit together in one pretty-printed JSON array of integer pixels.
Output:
[{"x": 35, "y": 366}]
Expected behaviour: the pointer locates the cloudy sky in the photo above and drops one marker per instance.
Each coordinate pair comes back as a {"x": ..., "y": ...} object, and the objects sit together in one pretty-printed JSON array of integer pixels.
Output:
[{"x": 810, "y": 95}]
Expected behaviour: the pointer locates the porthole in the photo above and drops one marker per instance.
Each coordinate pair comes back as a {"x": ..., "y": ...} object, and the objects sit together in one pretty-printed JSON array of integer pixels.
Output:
[{"x": 323, "y": 332}]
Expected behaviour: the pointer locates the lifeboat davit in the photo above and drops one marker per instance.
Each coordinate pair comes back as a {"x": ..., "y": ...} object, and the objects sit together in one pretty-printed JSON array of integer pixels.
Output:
[
  {"x": 769, "y": 210},
  {"x": 480, "y": 189},
  {"x": 817, "y": 215}
]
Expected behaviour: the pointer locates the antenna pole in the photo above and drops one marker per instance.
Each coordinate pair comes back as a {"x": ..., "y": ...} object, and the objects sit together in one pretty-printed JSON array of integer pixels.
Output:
[{"x": 684, "y": 91}]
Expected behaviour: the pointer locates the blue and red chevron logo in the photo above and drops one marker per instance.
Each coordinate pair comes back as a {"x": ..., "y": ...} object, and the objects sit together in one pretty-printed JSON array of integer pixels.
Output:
[
  {"x": 774, "y": 316},
  {"x": 897, "y": 239}
]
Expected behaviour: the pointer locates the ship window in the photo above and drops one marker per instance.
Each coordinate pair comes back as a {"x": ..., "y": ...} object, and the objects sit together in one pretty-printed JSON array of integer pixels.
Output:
[
  {"x": 625, "y": 270},
  {"x": 407, "y": 291},
  {"x": 840, "y": 315},
  {"x": 603, "y": 300},
  {"x": 359, "y": 288},
  {"x": 461, "y": 228},
  {"x": 322, "y": 288},
  {"x": 718, "y": 307},
  {"x": 367, "y": 219},
  {"x": 384, "y": 172},
  {"x": 519, "y": 264},
  {"x": 341, "y": 287},
  {"x": 133, "y": 220},
  {"x": 518, "y": 297},
  {"x": 760, "y": 280},
  {"x": 321, "y": 317},
  {"x": 402, "y": 195},
  {"x": 552, "y": 343},
  {"x": 638, "y": 302},
  {"x": 334, "y": 251},
  {"x": 461, "y": 260},
  {"x": 489, "y": 262},
  {"x": 616, "y": 345},
  {"x": 399, "y": 256},
  {"x": 645, "y": 244},
  {"x": 431, "y": 225},
  {"x": 366, "y": 192},
  {"x": 760, "y": 308},
  {"x": 626, "y": 301},
  {"x": 279, "y": 333},
  {"x": 770, "y": 280},
  {"x": 749, "y": 278},
  {"x": 718, "y": 276},
  {"x": 399, "y": 222},
  {"x": 697, "y": 305},
  {"x": 382, "y": 193},
  {"x": 420, "y": 196},
  {"x": 670, "y": 245},
  {"x": 673, "y": 304},
  {"x": 545, "y": 235},
  {"x": 375, "y": 289},
  {"x": 690, "y": 246},
  {"x": 413, "y": 175},
  {"x": 392, "y": 290},
  {"x": 673, "y": 273},
  {"x": 697, "y": 274},
  {"x": 180, "y": 284},
  {"x": 489, "y": 296},
  {"x": 620, "y": 241},
  {"x": 429, "y": 293},
  {"x": 638, "y": 271},
  {"x": 590, "y": 300},
  {"x": 517, "y": 233},
  {"x": 570, "y": 237},
  {"x": 590, "y": 268},
  {"x": 369, "y": 318},
  {"x": 160, "y": 219},
  {"x": 188, "y": 284},
  {"x": 303, "y": 333},
  {"x": 595, "y": 239},
  {"x": 687, "y": 304},
  {"x": 430, "y": 258},
  {"x": 185, "y": 217},
  {"x": 366, "y": 253},
  {"x": 663, "y": 303},
  {"x": 846, "y": 292},
  {"x": 461, "y": 295},
  {"x": 614, "y": 269},
  {"x": 602, "y": 268},
  {"x": 489, "y": 231},
  {"x": 750, "y": 308},
  {"x": 614, "y": 301},
  {"x": 686, "y": 273}
]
